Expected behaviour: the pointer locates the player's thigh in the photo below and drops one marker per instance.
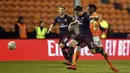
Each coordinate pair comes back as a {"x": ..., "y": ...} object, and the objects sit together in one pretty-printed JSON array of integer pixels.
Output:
[
  {"x": 82, "y": 45},
  {"x": 97, "y": 42},
  {"x": 72, "y": 43},
  {"x": 75, "y": 41},
  {"x": 63, "y": 42},
  {"x": 88, "y": 40}
]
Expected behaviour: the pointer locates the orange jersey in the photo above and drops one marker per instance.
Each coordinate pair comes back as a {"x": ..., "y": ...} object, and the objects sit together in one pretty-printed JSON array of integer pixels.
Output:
[{"x": 95, "y": 24}]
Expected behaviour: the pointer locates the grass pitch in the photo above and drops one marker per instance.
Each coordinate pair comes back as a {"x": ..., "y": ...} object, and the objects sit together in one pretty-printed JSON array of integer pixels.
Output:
[{"x": 58, "y": 67}]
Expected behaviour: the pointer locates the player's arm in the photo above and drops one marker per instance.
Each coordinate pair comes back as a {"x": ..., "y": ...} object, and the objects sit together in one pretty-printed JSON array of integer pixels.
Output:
[
  {"x": 73, "y": 22},
  {"x": 92, "y": 23},
  {"x": 52, "y": 25},
  {"x": 50, "y": 28}
]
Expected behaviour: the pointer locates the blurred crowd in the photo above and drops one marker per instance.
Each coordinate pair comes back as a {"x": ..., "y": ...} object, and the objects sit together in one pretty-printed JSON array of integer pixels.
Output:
[
  {"x": 21, "y": 32},
  {"x": 41, "y": 31}
]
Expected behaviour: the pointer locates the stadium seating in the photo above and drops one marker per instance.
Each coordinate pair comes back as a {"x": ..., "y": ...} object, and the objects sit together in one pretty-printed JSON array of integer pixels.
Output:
[{"x": 32, "y": 10}]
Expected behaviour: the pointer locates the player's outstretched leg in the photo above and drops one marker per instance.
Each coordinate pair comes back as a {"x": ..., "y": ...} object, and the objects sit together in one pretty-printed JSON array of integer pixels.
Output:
[
  {"x": 64, "y": 51},
  {"x": 101, "y": 51},
  {"x": 76, "y": 56},
  {"x": 70, "y": 53},
  {"x": 66, "y": 56}
]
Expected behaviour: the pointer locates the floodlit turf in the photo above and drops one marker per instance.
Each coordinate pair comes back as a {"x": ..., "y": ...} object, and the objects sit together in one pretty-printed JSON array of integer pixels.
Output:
[{"x": 58, "y": 67}]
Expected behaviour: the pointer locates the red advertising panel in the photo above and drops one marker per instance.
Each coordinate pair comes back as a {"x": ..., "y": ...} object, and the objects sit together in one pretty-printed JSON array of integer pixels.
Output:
[{"x": 49, "y": 50}]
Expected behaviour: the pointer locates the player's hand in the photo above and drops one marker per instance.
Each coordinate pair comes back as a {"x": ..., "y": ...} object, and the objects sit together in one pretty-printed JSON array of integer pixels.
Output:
[
  {"x": 70, "y": 28},
  {"x": 75, "y": 22},
  {"x": 50, "y": 29}
]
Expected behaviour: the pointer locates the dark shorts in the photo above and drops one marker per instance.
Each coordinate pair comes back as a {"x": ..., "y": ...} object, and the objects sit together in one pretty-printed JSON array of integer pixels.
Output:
[
  {"x": 64, "y": 39},
  {"x": 82, "y": 45},
  {"x": 86, "y": 39}
]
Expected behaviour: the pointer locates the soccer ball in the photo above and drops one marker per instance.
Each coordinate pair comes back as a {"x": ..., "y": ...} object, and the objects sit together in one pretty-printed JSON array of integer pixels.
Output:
[{"x": 12, "y": 45}]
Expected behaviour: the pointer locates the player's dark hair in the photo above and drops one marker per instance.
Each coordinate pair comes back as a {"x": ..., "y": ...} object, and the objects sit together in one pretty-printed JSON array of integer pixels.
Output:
[
  {"x": 92, "y": 6},
  {"x": 61, "y": 7},
  {"x": 19, "y": 18},
  {"x": 41, "y": 22},
  {"x": 78, "y": 8}
]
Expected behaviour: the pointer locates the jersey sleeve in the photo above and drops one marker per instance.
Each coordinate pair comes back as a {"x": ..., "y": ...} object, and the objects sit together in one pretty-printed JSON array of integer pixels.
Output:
[
  {"x": 55, "y": 21},
  {"x": 95, "y": 17},
  {"x": 72, "y": 19}
]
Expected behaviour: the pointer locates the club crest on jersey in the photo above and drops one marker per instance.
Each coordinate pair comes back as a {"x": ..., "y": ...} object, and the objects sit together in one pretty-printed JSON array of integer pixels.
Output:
[
  {"x": 82, "y": 18},
  {"x": 65, "y": 20},
  {"x": 58, "y": 20}
]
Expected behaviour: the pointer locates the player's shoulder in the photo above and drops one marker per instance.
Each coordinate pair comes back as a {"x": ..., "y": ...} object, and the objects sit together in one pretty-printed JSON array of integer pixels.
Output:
[
  {"x": 86, "y": 16},
  {"x": 57, "y": 16},
  {"x": 70, "y": 17},
  {"x": 84, "y": 13},
  {"x": 67, "y": 15},
  {"x": 95, "y": 15}
]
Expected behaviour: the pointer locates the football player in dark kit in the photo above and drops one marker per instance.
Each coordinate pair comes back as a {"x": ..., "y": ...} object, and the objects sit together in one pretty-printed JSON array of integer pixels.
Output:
[
  {"x": 93, "y": 20},
  {"x": 64, "y": 20},
  {"x": 84, "y": 36}
]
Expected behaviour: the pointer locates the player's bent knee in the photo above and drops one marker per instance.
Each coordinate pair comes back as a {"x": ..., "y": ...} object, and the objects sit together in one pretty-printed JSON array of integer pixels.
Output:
[
  {"x": 93, "y": 51},
  {"x": 62, "y": 45},
  {"x": 99, "y": 50},
  {"x": 73, "y": 43}
]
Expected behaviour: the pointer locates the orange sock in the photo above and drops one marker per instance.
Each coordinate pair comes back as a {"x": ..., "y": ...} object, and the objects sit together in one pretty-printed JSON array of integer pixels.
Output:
[
  {"x": 108, "y": 61},
  {"x": 110, "y": 64},
  {"x": 76, "y": 56}
]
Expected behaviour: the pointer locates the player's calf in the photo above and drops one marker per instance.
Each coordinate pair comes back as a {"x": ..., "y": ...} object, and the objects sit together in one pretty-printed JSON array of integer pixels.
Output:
[
  {"x": 64, "y": 52},
  {"x": 105, "y": 54},
  {"x": 67, "y": 53},
  {"x": 101, "y": 51},
  {"x": 70, "y": 53}
]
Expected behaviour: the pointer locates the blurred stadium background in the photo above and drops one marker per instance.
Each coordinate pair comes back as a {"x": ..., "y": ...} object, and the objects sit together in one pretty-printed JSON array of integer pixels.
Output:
[{"x": 115, "y": 12}]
